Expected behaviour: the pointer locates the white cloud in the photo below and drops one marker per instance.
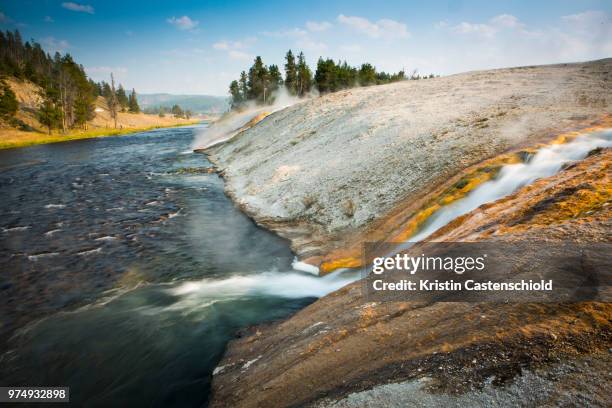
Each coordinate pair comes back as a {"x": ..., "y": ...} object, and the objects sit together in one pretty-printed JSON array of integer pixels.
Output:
[
  {"x": 590, "y": 31},
  {"x": 292, "y": 33},
  {"x": 384, "y": 28},
  {"x": 582, "y": 36},
  {"x": 587, "y": 17},
  {"x": 4, "y": 18},
  {"x": 308, "y": 44},
  {"x": 183, "y": 23},
  {"x": 506, "y": 20},
  {"x": 238, "y": 55},
  {"x": 235, "y": 49},
  {"x": 491, "y": 27},
  {"x": 352, "y": 48},
  {"x": 318, "y": 26},
  {"x": 229, "y": 45},
  {"x": 222, "y": 45},
  {"x": 80, "y": 8},
  {"x": 53, "y": 44},
  {"x": 301, "y": 38},
  {"x": 48, "y": 19},
  {"x": 470, "y": 28},
  {"x": 590, "y": 23},
  {"x": 510, "y": 42}
]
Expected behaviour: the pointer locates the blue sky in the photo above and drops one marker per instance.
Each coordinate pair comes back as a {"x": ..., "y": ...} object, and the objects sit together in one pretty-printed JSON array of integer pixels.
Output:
[{"x": 198, "y": 47}]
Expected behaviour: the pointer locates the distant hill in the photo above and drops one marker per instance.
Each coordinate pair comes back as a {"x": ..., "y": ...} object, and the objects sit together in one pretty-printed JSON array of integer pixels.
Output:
[{"x": 194, "y": 103}]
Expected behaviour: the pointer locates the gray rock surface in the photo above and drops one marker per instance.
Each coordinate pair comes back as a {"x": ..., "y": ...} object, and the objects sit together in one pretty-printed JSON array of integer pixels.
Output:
[
  {"x": 578, "y": 382},
  {"x": 335, "y": 163}
]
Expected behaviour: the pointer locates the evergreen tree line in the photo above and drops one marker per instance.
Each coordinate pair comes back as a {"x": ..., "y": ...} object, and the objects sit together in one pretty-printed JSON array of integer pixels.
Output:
[
  {"x": 175, "y": 110},
  {"x": 261, "y": 81},
  {"x": 125, "y": 102},
  {"x": 258, "y": 85},
  {"x": 68, "y": 96}
]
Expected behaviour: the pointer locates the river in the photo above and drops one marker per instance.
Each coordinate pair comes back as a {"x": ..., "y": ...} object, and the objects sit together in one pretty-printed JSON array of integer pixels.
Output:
[{"x": 125, "y": 270}]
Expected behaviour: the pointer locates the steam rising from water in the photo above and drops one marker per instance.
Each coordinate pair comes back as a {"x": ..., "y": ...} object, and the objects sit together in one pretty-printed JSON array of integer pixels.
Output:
[
  {"x": 227, "y": 127},
  {"x": 291, "y": 285},
  {"x": 546, "y": 162}
]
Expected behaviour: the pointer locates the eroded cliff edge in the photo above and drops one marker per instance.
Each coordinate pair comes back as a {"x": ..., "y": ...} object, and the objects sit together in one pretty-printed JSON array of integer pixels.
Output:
[{"x": 324, "y": 172}]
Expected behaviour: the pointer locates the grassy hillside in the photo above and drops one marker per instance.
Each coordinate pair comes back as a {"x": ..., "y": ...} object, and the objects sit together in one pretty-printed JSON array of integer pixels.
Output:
[
  {"x": 26, "y": 130},
  {"x": 194, "y": 103}
]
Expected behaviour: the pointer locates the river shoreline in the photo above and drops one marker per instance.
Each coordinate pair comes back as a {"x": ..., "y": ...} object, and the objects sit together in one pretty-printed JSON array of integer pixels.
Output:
[
  {"x": 129, "y": 269},
  {"x": 24, "y": 139}
]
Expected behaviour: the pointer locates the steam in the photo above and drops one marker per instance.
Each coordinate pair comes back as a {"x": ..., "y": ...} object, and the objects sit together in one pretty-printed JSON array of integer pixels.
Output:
[
  {"x": 546, "y": 162},
  {"x": 232, "y": 122},
  {"x": 292, "y": 285}
]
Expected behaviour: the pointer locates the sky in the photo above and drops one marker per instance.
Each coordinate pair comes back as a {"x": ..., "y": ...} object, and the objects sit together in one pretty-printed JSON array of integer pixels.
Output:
[{"x": 198, "y": 47}]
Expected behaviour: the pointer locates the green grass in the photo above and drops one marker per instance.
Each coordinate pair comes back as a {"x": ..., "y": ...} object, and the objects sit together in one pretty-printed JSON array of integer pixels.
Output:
[{"x": 16, "y": 138}]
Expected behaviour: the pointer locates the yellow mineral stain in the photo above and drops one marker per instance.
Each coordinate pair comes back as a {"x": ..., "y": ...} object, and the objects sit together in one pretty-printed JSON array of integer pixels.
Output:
[
  {"x": 349, "y": 262},
  {"x": 351, "y": 257},
  {"x": 256, "y": 119}
]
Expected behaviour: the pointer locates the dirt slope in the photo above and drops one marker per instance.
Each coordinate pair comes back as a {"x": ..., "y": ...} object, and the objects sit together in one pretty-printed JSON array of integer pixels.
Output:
[{"x": 30, "y": 131}]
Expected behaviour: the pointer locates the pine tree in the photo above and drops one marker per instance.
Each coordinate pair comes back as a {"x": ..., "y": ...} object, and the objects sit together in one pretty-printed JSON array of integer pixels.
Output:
[
  {"x": 236, "y": 95},
  {"x": 326, "y": 75},
  {"x": 290, "y": 73},
  {"x": 367, "y": 75},
  {"x": 106, "y": 90},
  {"x": 258, "y": 81},
  {"x": 304, "y": 76},
  {"x": 244, "y": 88},
  {"x": 275, "y": 78},
  {"x": 177, "y": 111},
  {"x": 83, "y": 111},
  {"x": 133, "y": 102},
  {"x": 261, "y": 81},
  {"x": 49, "y": 113},
  {"x": 8, "y": 101},
  {"x": 122, "y": 98}
]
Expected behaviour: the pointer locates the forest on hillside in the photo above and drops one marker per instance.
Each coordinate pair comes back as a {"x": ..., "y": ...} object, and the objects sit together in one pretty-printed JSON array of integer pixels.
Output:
[
  {"x": 68, "y": 95},
  {"x": 261, "y": 82}
]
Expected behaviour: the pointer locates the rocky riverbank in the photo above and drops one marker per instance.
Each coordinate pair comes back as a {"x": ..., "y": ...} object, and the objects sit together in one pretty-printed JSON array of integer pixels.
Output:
[
  {"x": 326, "y": 171},
  {"x": 344, "y": 351},
  {"x": 372, "y": 164}
]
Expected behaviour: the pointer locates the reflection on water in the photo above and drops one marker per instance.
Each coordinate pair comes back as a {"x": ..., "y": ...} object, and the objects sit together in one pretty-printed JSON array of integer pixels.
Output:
[{"x": 82, "y": 222}]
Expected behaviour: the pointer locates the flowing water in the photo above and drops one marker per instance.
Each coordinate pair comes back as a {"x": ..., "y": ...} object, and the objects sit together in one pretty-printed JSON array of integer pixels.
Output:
[
  {"x": 544, "y": 163},
  {"x": 124, "y": 270}
]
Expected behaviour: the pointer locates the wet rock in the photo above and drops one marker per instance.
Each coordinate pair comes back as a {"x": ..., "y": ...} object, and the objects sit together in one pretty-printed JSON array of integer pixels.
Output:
[
  {"x": 440, "y": 354},
  {"x": 195, "y": 170}
]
